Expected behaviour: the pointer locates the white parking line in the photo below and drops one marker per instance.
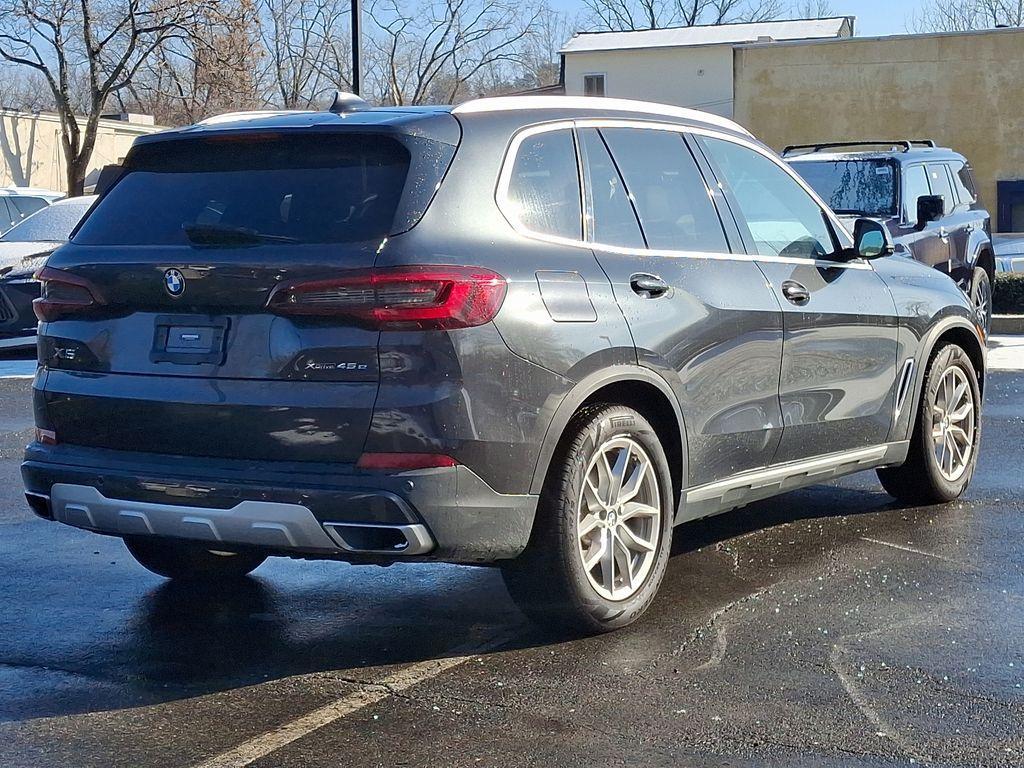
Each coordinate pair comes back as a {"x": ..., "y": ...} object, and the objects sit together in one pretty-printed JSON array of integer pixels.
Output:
[{"x": 261, "y": 746}]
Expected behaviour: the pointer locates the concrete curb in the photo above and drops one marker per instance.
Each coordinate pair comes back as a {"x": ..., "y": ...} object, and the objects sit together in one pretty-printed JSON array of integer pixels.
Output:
[{"x": 1008, "y": 324}]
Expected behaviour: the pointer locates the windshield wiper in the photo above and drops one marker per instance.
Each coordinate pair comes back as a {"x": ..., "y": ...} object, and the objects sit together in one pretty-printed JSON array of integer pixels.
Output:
[{"x": 223, "y": 234}]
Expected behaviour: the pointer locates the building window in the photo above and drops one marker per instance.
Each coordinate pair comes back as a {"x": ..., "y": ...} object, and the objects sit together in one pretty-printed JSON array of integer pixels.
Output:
[{"x": 593, "y": 85}]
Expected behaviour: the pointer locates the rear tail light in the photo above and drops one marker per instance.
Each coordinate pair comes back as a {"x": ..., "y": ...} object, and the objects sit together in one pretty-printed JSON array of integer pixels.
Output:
[
  {"x": 63, "y": 294},
  {"x": 400, "y": 298},
  {"x": 404, "y": 461}
]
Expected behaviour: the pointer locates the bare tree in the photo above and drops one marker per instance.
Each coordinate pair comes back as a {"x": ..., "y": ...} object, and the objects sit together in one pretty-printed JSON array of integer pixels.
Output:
[
  {"x": 86, "y": 50},
  {"x": 302, "y": 43},
  {"x": 211, "y": 69},
  {"x": 657, "y": 14},
  {"x": 541, "y": 57},
  {"x": 964, "y": 15},
  {"x": 814, "y": 9},
  {"x": 23, "y": 89},
  {"x": 432, "y": 51}
]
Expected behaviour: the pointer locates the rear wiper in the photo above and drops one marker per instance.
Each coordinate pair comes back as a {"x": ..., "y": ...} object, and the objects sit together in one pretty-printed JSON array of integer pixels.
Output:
[{"x": 223, "y": 234}]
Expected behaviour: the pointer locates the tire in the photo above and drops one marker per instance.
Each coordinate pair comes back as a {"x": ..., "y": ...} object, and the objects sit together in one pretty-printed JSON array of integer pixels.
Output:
[
  {"x": 981, "y": 298},
  {"x": 550, "y": 581},
  {"x": 921, "y": 480},
  {"x": 187, "y": 561}
]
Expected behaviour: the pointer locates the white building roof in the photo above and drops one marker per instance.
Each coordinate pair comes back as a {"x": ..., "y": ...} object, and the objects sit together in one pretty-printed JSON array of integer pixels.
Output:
[{"x": 718, "y": 34}]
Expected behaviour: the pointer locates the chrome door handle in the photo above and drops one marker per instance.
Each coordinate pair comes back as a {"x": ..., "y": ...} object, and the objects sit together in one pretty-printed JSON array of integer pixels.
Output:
[
  {"x": 648, "y": 286},
  {"x": 795, "y": 292},
  {"x": 943, "y": 233}
]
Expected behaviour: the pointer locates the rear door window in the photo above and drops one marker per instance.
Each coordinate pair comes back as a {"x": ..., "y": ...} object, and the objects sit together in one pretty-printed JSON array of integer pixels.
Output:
[
  {"x": 783, "y": 218},
  {"x": 663, "y": 180},
  {"x": 915, "y": 185},
  {"x": 242, "y": 190},
  {"x": 610, "y": 217},
  {"x": 939, "y": 181},
  {"x": 544, "y": 187}
]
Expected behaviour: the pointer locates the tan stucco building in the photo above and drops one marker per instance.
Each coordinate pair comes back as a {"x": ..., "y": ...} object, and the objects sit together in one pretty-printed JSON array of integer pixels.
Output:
[
  {"x": 31, "y": 154},
  {"x": 964, "y": 90}
]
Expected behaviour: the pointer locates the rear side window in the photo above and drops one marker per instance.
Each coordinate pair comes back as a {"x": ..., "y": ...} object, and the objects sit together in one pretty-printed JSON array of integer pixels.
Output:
[
  {"x": 783, "y": 219},
  {"x": 664, "y": 182},
  {"x": 544, "y": 189},
  {"x": 915, "y": 185},
  {"x": 939, "y": 180},
  {"x": 609, "y": 212},
  {"x": 963, "y": 180},
  {"x": 240, "y": 189}
]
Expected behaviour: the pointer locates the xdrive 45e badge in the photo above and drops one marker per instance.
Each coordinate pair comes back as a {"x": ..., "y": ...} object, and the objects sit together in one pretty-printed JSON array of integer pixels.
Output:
[{"x": 174, "y": 282}]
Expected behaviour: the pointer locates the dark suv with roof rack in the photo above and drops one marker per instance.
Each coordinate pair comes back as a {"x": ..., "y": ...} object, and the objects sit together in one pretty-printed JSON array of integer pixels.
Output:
[
  {"x": 531, "y": 332},
  {"x": 924, "y": 194}
]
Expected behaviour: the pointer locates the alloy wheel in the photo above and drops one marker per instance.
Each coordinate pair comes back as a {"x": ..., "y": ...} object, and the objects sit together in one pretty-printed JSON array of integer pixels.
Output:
[
  {"x": 953, "y": 415},
  {"x": 619, "y": 518},
  {"x": 983, "y": 304}
]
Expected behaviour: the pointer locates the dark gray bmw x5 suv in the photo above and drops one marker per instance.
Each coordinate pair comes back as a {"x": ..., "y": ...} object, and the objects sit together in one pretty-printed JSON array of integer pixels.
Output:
[{"x": 531, "y": 332}]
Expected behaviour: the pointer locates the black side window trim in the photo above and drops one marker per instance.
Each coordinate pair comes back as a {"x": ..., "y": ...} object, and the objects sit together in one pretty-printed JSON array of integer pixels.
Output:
[
  {"x": 738, "y": 236},
  {"x": 583, "y": 177},
  {"x": 729, "y": 235}
]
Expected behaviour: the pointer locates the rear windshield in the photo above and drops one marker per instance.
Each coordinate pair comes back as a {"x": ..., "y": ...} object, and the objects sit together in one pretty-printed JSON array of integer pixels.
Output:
[
  {"x": 52, "y": 224},
  {"x": 855, "y": 187},
  {"x": 249, "y": 190}
]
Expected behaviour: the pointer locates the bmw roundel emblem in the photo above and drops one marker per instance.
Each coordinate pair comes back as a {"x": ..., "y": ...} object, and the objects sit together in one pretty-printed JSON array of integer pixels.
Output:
[{"x": 174, "y": 282}]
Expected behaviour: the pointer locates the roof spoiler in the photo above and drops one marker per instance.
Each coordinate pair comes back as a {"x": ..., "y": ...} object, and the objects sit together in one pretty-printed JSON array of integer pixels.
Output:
[
  {"x": 345, "y": 102},
  {"x": 905, "y": 145}
]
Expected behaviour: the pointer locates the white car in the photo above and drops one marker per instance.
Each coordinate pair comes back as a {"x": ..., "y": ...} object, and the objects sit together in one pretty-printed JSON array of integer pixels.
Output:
[
  {"x": 18, "y": 202},
  {"x": 23, "y": 250}
]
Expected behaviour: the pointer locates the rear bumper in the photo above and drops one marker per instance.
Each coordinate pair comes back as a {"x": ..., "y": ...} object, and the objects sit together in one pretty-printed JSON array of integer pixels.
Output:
[{"x": 445, "y": 514}]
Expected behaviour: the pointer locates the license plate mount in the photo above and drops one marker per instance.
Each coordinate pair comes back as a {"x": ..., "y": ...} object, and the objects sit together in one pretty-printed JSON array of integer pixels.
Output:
[{"x": 189, "y": 339}]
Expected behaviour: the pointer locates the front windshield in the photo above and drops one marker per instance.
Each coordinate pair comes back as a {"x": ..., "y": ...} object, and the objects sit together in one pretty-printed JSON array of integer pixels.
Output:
[
  {"x": 51, "y": 224},
  {"x": 854, "y": 187}
]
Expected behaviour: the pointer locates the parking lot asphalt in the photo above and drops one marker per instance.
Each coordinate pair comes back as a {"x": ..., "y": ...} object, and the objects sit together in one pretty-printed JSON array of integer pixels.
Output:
[{"x": 827, "y": 627}]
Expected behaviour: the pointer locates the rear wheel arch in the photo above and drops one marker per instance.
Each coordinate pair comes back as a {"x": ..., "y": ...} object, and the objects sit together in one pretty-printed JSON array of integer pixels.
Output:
[
  {"x": 632, "y": 386},
  {"x": 987, "y": 260}
]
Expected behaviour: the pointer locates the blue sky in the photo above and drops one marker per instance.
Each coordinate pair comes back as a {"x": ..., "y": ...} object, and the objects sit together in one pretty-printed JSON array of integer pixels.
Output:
[
  {"x": 874, "y": 17},
  {"x": 880, "y": 17}
]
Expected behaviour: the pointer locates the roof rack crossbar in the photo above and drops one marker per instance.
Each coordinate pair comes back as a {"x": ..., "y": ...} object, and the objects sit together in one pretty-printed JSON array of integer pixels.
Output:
[{"x": 905, "y": 144}]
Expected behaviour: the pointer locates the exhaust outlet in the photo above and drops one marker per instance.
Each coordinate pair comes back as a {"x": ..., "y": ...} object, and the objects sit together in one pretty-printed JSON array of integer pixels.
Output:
[{"x": 374, "y": 539}]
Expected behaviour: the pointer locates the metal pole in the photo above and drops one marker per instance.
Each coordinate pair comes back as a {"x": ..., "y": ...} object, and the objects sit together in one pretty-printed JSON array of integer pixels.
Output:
[{"x": 357, "y": 45}]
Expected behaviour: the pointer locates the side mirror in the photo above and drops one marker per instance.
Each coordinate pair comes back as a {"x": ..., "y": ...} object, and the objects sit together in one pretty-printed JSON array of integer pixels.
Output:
[
  {"x": 930, "y": 208},
  {"x": 871, "y": 240}
]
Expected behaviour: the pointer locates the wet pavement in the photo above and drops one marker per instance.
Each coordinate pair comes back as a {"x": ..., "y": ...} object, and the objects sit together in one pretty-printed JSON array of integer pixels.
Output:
[{"x": 828, "y": 627}]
